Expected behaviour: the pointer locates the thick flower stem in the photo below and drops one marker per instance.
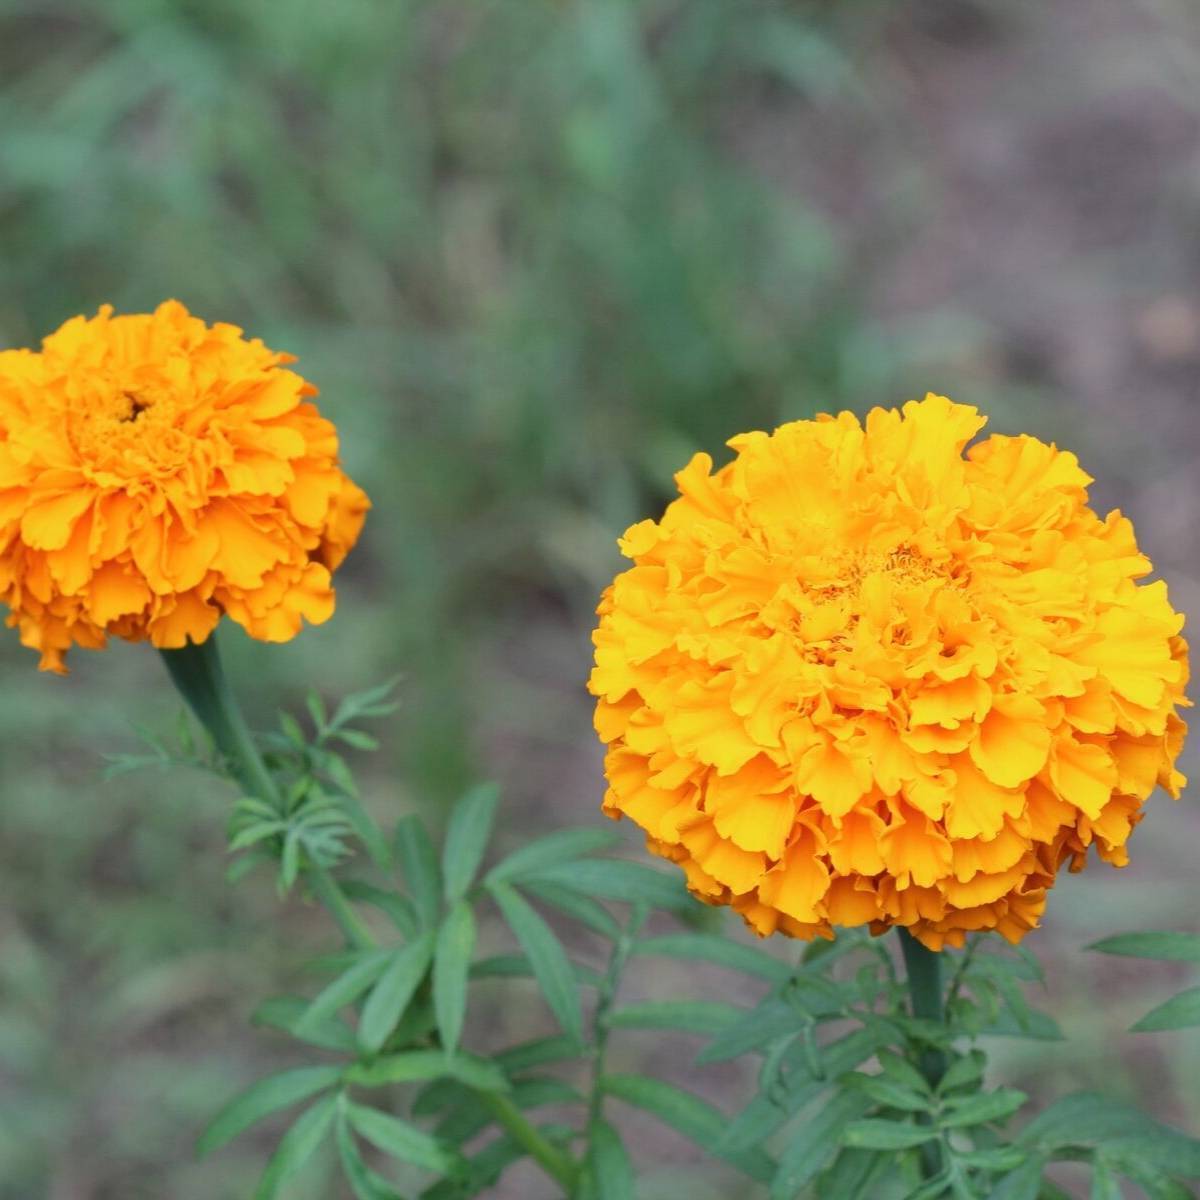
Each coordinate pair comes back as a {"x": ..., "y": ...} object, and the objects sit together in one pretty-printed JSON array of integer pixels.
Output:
[
  {"x": 559, "y": 1166},
  {"x": 199, "y": 678},
  {"x": 924, "y": 970}
]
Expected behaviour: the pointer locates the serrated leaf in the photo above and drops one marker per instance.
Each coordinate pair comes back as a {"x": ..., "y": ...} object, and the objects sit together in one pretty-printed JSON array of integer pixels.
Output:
[
  {"x": 609, "y": 1169},
  {"x": 618, "y": 879},
  {"x": 364, "y": 1183},
  {"x": 263, "y": 1098},
  {"x": 1166, "y": 946},
  {"x": 1180, "y": 1012},
  {"x": 811, "y": 1146},
  {"x": 419, "y": 869},
  {"x": 403, "y": 1141},
  {"x": 390, "y": 996},
  {"x": 694, "y": 1118},
  {"x": 705, "y": 947},
  {"x": 691, "y": 1016},
  {"x": 549, "y": 961},
  {"x": 296, "y": 1146},
  {"x": 451, "y": 965},
  {"x": 981, "y": 1108},
  {"x": 876, "y": 1134},
  {"x": 414, "y": 1066},
  {"x": 564, "y": 845},
  {"x": 467, "y": 838}
]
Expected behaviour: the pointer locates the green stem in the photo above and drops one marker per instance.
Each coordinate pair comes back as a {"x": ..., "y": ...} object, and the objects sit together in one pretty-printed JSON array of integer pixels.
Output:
[
  {"x": 924, "y": 969},
  {"x": 197, "y": 674},
  {"x": 355, "y": 930},
  {"x": 199, "y": 678},
  {"x": 558, "y": 1165}
]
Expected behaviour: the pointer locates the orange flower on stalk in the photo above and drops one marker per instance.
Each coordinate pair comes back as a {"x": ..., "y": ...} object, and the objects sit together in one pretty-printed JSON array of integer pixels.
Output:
[
  {"x": 157, "y": 472},
  {"x": 856, "y": 678}
]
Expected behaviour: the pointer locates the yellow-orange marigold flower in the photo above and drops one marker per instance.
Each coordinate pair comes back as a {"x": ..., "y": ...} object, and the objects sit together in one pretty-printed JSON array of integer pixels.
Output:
[
  {"x": 856, "y": 678},
  {"x": 156, "y": 472}
]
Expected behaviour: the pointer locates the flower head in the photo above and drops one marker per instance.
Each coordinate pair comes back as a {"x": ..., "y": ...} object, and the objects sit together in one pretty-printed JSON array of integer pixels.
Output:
[
  {"x": 157, "y": 472},
  {"x": 856, "y": 678}
]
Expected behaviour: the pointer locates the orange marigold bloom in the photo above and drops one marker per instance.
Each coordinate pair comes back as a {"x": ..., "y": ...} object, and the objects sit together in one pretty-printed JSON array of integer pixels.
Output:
[
  {"x": 856, "y": 678},
  {"x": 156, "y": 472}
]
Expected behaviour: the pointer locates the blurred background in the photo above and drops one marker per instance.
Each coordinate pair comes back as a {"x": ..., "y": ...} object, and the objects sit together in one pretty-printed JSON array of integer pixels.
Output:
[{"x": 535, "y": 254}]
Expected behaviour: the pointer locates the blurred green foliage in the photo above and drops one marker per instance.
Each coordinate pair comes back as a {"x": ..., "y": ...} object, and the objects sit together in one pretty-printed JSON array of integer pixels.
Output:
[{"x": 535, "y": 253}]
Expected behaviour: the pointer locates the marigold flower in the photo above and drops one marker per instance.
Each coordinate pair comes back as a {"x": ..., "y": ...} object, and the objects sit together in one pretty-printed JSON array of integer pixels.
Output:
[
  {"x": 856, "y": 678},
  {"x": 156, "y": 472}
]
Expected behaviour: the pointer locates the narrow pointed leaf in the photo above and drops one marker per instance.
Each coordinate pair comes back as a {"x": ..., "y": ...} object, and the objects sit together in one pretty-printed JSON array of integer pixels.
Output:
[
  {"x": 692, "y": 1016},
  {"x": 296, "y": 1146},
  {"x": 694, "y": 1118},
  {"x": 1167, "y": 946},
  {"x": 345, "y": 989},
  {"x": 549, "y": 961},
  {"x": 419, "y": 869},
  {"x": 813, "y": 1144},
  {"x": 263, "y": 1098},
  {"x": 467, "y": 838},
  {"x": 724, "y": 952},
  {"x": 609, "y": 1169},
  {"x": 618, "y": 879},
  {"x": 451, "y": 965},
  {"x": 885, "y": 1135},
  {"x": 982, "y": 1108},
  {"x": 1180, "y": 1012},
  {"x": 364, "y": 1183},
  {"x": 391, "y": 994},
  {"x": 402, "y": 1141},
  {"x": 550, "y": 851}
]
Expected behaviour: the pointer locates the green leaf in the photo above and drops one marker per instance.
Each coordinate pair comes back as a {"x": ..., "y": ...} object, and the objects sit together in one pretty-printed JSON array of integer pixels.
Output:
[
  {"x": 285, "y": 1013},
  {"x": 549, "y": 961},
  {"x": 527, "y": 1055},
  {"x": 467, "y": 838},
  {"x": 724, "y": 952},
  {"x": 694, "y": 1118},
  {"x": 1087, "y": 1119},
  {"x": 416, "y": 1066},
  {"x": 364, "y": 1183},
  {"x": 1167, "y": 946},
  {"x": 1180, "y": 1012},
  {"x": 1025, "y": 1183},
  {"x": 618, "y": 879},
  {"x": 419, "y": 869},
  {"x": 900, "y": 1071},
  {"x": 451, "y": 965},
  {"x": 995, "y": 1158},
  {"x": 345, "y": 989},
  {"x": 876, "y": 1134},
  {"x": 981, "y": 1108},
  {"x": 553, "y": 850},
  {"x": 399, "y": 909},
  {"x": 607, "y": 1164},
  {"x": 367, "y": 830},
  {"x": 853, "y": 1175},
  {"x": 811, "y": 1146},
  {"x": 691, "y": 1016},
  {"x": 580, "y": 908},
  {"x": 296, "y": 1146},
  {"x": 889, "y": 1094},
  {"x": 1104, "y": 1183},
  {"x": 403, "y": 1141},
  {"x": 390, "y": 996},
  {"x": 263, "y": 1098},
  {"x": 963, "y": 1072},
  {"x": 1155, "y": 1183},
  {"x": 770, "y": 1021},
  {"x": 517, "y": 966}
]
